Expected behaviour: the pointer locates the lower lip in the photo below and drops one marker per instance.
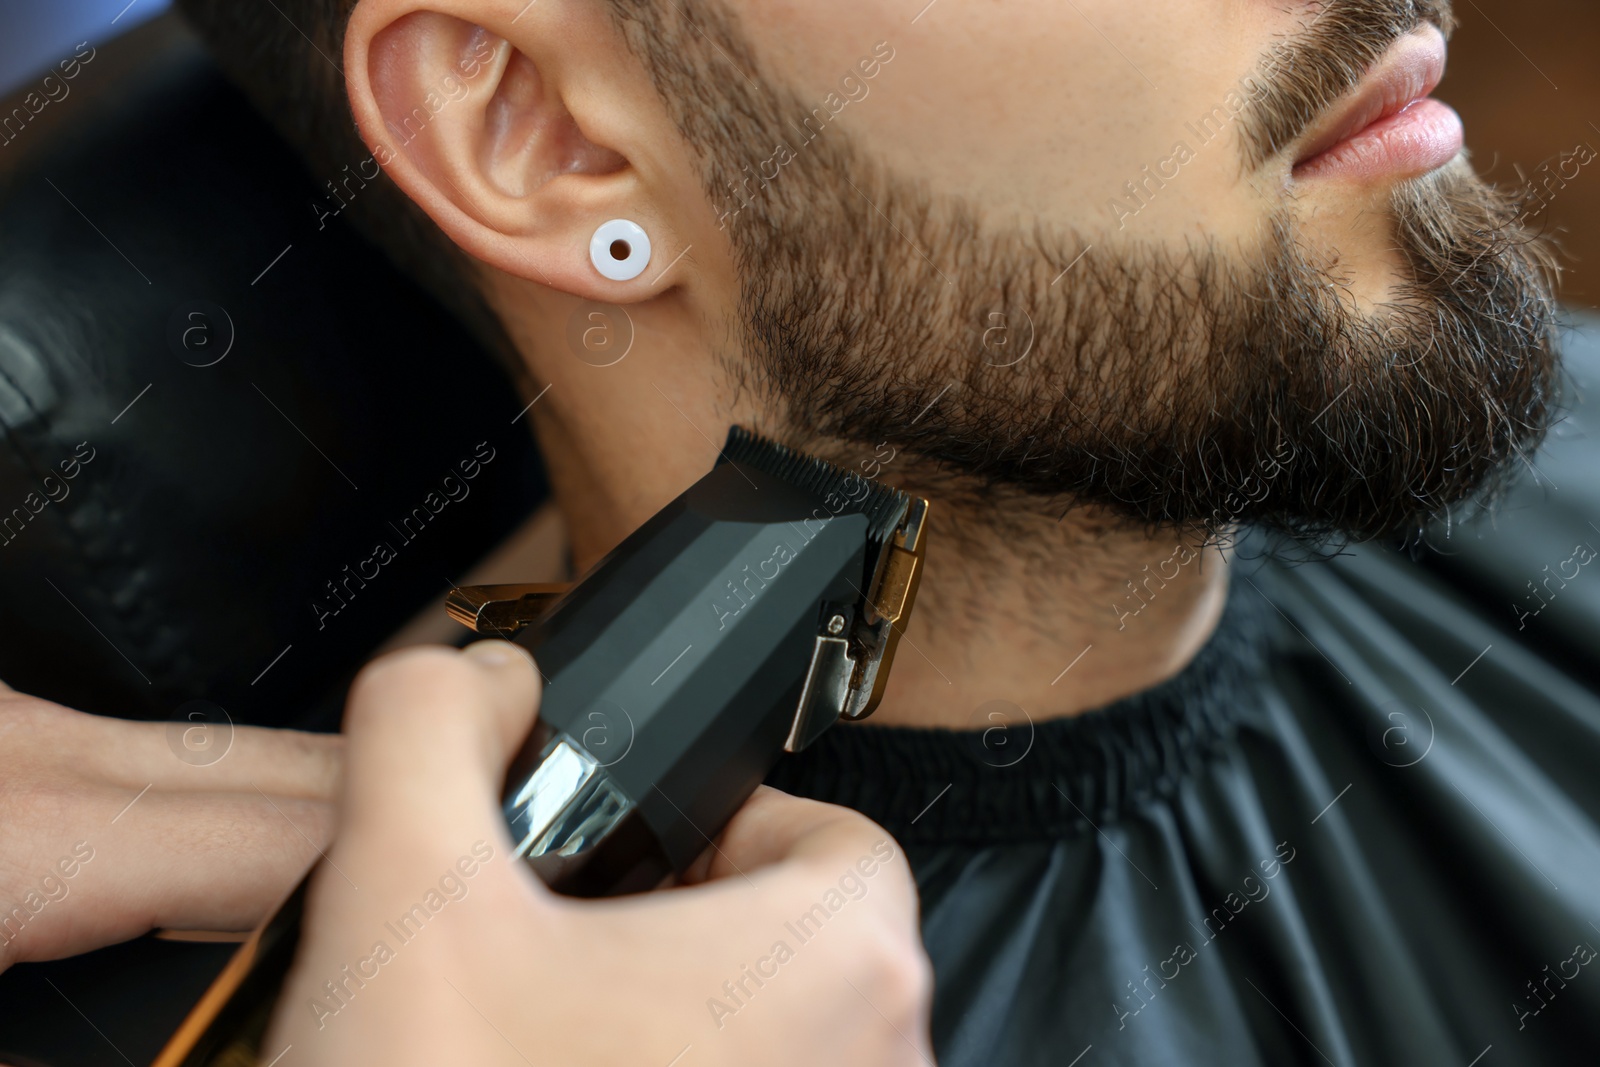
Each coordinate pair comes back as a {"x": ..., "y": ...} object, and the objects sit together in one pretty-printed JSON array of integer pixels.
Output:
[{"x": 1420, "y": 138}]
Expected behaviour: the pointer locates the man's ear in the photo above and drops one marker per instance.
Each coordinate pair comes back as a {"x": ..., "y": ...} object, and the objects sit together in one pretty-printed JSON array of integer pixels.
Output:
[{"x": 517, "y": 132}]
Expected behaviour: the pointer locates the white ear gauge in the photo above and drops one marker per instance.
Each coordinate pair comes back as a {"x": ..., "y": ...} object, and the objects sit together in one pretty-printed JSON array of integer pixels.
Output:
[{"x": 620, "y": 250}]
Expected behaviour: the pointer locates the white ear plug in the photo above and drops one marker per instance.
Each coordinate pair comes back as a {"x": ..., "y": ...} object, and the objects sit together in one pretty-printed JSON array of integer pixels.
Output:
[{"x": 620, "y": 250}]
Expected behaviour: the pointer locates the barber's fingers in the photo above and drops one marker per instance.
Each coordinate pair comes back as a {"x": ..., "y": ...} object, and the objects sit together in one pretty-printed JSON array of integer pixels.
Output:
[
  {"x": 123, "y": 863},
  {"x": 773, "y": 827},
  {"x": 776, "y": 828},
  {"x": 429, "y": 734}
]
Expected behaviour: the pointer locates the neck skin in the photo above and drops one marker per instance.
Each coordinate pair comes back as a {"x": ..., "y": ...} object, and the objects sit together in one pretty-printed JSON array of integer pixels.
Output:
[
  {"x": 1052, "y": 618},
  {"x": 1056, "y": 618}
]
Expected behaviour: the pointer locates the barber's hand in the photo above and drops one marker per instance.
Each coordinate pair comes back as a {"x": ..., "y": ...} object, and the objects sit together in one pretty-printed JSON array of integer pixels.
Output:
[
  {"x": 107, "y": 831},
  {"x": 426, "y": 943}
]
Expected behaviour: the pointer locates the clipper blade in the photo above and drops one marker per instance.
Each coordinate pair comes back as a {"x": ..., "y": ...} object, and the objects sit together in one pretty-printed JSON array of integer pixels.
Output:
[
  {"x": 896, "y": 544},
  {"x": 884, "y": 506}
]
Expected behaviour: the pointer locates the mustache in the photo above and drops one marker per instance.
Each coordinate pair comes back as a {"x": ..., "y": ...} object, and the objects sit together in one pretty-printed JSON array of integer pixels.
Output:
[{"x": 1313, "y": 69}]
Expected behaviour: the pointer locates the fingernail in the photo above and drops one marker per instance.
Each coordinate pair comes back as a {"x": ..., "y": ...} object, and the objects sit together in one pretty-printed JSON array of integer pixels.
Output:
[{"x": 493, "y": 653}]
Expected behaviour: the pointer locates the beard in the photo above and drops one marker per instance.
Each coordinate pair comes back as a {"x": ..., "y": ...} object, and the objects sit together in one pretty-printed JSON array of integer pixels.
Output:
[{"x": 1186, "y": 388}]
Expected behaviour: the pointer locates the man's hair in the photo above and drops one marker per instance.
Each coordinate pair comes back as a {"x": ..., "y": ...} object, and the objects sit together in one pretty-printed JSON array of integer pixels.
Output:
[{"x": 286, "y": 56}]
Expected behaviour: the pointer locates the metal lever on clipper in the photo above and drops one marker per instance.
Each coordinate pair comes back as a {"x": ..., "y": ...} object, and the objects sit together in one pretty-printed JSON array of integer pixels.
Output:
[
  {"x": 502, "y": 610},
  {"x": 850, "y": 664}
]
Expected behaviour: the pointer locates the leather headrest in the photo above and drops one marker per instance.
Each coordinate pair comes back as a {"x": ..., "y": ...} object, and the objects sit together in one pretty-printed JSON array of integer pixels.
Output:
[{"x": 237, "y": 441}]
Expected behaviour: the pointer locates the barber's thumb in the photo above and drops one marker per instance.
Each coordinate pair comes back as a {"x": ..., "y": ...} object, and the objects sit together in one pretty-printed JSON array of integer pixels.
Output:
[
  {"x": 774, "y": 827},
  {"x": 430, "y": 732}
]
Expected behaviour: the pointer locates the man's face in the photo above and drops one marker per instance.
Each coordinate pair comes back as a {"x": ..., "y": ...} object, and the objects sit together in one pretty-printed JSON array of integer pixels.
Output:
[
  {"x": 1093, "y": 252},
  {"x": 1047, "y": 110}
]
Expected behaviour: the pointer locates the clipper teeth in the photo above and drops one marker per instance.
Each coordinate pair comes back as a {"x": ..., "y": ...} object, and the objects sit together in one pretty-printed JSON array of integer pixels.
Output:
[{"x": 885, "y": 507}]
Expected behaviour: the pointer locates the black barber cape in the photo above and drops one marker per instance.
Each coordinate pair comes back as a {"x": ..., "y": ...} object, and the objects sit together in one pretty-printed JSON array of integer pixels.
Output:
[{"x": 1361, "y": 827}]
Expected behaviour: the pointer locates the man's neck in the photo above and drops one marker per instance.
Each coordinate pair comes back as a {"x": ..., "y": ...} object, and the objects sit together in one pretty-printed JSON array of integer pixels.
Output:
[
  {"x": 1036, "y": 620},
  {"x": 1050, "y": 625}
]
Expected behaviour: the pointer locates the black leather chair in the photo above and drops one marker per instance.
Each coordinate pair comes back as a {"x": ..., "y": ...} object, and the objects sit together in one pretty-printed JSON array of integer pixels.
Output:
[{"x": 214, "y": 412}]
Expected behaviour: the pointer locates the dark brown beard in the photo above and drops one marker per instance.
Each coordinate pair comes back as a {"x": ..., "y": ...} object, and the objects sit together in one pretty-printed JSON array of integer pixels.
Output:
[{"x": 1175, "y": 387}]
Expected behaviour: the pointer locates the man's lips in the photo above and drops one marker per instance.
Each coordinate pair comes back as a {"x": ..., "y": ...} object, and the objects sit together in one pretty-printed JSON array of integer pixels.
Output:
[{"x": 1387, "y": 127}]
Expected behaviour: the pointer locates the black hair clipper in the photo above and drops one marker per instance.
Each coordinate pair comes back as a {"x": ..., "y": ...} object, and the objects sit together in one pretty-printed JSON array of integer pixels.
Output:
[{"x": 757, "y": 609}]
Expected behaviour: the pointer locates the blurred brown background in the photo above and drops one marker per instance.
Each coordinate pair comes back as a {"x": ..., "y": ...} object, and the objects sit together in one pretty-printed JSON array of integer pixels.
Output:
[{"x": 1525, "y": 76}]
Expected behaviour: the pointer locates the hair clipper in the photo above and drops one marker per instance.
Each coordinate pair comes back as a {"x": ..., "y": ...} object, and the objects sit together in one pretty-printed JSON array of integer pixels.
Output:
[{"x": 741, "y": 621}]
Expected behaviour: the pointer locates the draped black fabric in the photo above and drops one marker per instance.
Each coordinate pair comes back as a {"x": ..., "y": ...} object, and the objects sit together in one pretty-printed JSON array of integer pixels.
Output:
[{"x": 1362, "y": 827}]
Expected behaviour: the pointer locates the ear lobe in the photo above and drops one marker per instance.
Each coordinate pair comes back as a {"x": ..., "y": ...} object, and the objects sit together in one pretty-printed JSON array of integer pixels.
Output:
[{"x": 470, "y": 126}]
